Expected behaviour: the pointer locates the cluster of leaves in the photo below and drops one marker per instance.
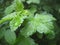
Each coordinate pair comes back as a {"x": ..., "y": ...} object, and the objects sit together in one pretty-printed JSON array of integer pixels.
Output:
[{"x": 30, "y": 22}]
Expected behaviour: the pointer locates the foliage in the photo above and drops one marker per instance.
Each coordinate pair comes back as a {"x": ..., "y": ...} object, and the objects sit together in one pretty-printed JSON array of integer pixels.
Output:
[{"x": 29, "y": 22}]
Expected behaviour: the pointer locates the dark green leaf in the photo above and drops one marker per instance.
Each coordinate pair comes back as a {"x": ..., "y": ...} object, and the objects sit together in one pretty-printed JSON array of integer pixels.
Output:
[
  {"x": 2, "y": 31},
  {"x": 10, "y": 37},
  {"x": 25, "y": 41}
]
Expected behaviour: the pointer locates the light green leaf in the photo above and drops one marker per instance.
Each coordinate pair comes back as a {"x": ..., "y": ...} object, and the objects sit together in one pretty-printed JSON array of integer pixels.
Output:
[
  {"x": 16, "y": 22},
  {"x": 45, "y": 23},
  {"x": 33, "y": 1},
  {"x": 44, "y": 17},
  {"x": 10, "y": 37},
  {"x": 42, "y": 28}
]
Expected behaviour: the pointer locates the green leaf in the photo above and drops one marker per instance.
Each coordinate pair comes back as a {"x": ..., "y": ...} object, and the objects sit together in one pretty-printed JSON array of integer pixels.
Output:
[
  {"x": 42, "y": 28},
  {"x": 19, "y": 5},
  {"x": 33, "y": 1},
  {"x": 33, "y": 9},
  {"x": 25, "y": 41},
  {"x": 8, "y": 17},
  {"x": 45, "y": 22},
  {"x": 18, "y": 20},
  {"x": 41, "y": 23},
  {"x": 44, "y": 17},
  {"x": 10, "y": 37},
  {"x": 28, "y": 30}
]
